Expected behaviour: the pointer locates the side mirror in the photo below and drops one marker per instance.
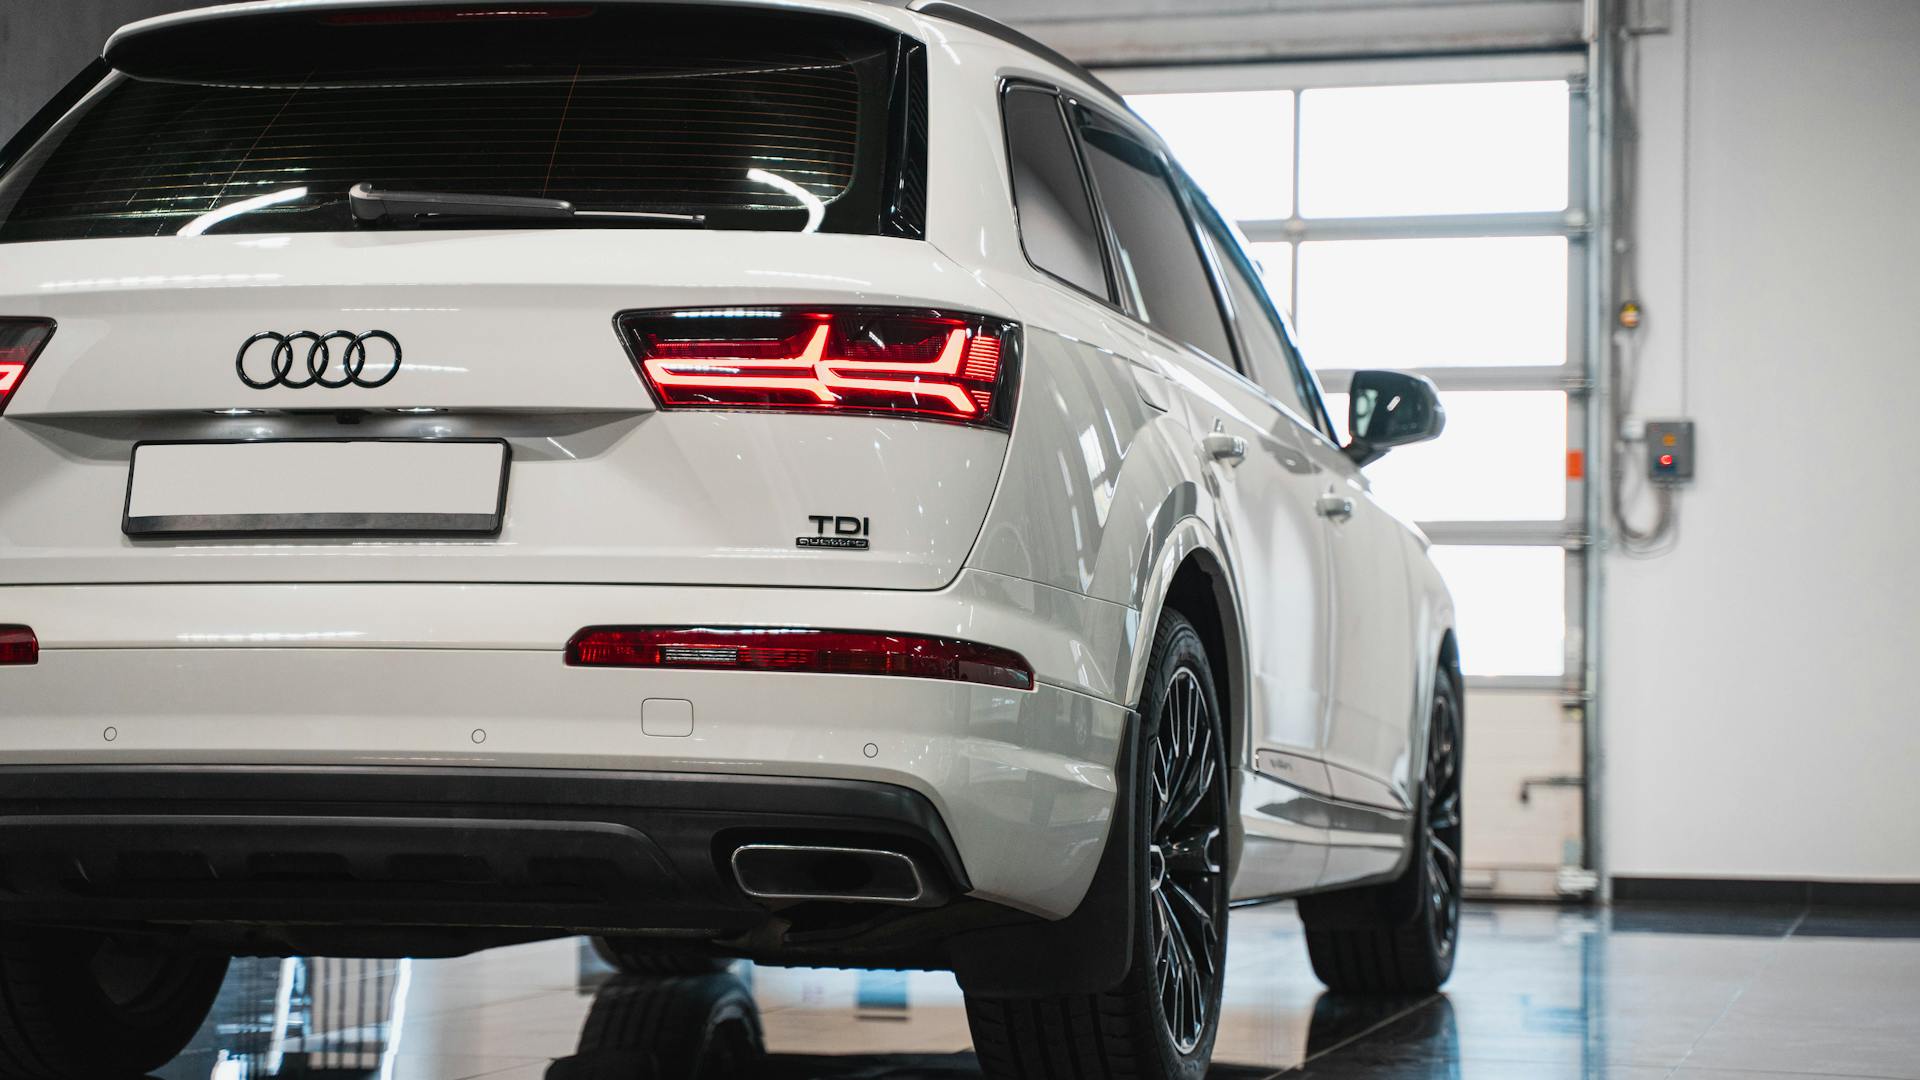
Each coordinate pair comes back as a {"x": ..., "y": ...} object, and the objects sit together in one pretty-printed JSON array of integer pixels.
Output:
[{"x": 1391, "y": 408}]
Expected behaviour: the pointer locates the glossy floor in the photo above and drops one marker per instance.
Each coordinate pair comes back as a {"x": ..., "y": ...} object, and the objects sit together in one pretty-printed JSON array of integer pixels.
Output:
[{"x": 1541, "y": 993}]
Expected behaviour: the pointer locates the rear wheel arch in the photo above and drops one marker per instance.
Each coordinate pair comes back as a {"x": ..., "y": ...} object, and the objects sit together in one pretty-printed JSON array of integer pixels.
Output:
[
  {"x": 1199, "y": 591},
  {"x": 1192, "y": 577}
]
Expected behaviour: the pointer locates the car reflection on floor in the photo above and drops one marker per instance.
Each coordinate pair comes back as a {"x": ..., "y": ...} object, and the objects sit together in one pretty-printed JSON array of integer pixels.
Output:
[
  {"x": 489, "y": 1015},
  {"x": 1542, "y": 993}
]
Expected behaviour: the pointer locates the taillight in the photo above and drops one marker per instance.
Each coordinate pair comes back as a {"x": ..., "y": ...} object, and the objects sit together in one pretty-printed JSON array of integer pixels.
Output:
[
  {"x": 834, "y": 652},
  {"x": 20, "y": 341},
  {"x": 18, "y": 646},
  {"x": 876, "y": 361}
]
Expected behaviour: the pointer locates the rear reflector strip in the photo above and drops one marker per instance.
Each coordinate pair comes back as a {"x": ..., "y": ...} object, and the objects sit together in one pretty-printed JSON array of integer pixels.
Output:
[
  {"x": 20, "y": 341},
  {"x": 874, "y": 361},
  {"x": 832, "y": 652},
  {"x": 18, "y": 646}
]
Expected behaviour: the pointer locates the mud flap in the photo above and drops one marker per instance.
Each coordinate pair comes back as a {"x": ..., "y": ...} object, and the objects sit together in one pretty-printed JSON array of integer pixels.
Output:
[{"x": 1088, "y": 951}]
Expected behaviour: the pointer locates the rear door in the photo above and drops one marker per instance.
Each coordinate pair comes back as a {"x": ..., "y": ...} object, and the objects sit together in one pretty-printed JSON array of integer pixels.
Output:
[
  {"x": 1369, "y": 737},
  {"x": 1263, "y": 485}
]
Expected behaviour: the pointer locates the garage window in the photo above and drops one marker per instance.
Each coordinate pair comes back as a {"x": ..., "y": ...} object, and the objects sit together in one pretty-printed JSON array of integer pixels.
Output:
[{"x": 1429, "y": 226}]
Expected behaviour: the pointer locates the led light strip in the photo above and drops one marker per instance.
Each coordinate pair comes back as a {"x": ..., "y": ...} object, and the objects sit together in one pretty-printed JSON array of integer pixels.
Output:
[{"x": 815, "y": 373}]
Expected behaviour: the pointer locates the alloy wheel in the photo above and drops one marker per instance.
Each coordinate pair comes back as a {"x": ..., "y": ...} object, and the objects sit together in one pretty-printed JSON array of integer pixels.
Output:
[
  {"x": 1185, "y": 859},
  {"x": 1443, "y": 822}
]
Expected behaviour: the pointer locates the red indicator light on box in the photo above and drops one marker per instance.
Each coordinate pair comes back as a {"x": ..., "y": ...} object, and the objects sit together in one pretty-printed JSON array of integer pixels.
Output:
[{"x": 1666, "y": 461}]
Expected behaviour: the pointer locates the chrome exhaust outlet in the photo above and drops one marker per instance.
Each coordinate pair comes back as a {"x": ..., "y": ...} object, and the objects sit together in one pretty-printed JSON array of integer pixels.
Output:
[{"x": 851, "y": 875}]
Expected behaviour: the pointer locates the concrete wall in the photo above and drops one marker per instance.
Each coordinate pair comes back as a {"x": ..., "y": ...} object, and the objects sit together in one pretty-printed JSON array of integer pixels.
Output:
[{"x": 1760, "y": 679}]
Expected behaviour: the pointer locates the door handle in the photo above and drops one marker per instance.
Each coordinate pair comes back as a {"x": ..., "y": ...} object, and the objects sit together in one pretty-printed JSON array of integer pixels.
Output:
[
  {"x": 1221, "y": 446},
  {"x": 1334, "y": 506}
]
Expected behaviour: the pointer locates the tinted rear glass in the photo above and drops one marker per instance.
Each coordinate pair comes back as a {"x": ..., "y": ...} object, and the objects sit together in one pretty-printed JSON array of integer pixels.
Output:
[{"x": 747, "y": 117}]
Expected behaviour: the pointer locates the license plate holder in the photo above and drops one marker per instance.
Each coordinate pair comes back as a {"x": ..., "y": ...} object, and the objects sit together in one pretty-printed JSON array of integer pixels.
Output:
[{"x": 317, "y": 487}]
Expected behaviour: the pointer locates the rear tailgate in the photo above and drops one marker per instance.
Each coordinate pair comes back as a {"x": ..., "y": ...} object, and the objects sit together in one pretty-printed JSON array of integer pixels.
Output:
[
  {"x": 189, "y": 231},
  {"x": 504, "y": 335}
]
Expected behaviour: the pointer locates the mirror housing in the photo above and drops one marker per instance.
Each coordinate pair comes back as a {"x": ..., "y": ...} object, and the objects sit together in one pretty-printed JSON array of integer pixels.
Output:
[{"x": 1388, "y": 409}]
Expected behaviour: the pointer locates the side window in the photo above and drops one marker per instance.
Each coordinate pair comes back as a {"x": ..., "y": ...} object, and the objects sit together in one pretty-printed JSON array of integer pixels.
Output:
[
  {"x": 1057, "y": 226},
  {"x": 1270, "y": 356},
  {"x": 1157, "y": 259}
]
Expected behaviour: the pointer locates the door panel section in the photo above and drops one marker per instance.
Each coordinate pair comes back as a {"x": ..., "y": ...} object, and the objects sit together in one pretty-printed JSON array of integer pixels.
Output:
[
  {"x": 1279, "y": 551},
  {"x": 1368, "y": 742}
]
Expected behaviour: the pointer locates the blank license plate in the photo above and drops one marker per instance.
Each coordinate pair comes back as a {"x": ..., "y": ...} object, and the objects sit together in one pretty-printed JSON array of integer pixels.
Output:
[{"x": 318, "y": 487}]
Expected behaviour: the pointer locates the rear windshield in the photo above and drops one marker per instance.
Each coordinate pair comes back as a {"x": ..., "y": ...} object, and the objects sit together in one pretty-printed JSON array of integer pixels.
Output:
[{"x": 750, "y": 119}]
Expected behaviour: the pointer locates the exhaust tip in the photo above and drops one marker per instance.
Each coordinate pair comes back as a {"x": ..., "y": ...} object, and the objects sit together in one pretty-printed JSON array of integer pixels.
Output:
[{"x": 811, "y": 872}]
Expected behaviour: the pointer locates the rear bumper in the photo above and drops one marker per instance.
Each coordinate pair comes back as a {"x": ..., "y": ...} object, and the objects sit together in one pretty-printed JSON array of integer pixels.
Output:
[
  {"x": 425, "y": 847},
  {"x": 469, "y": 681}
]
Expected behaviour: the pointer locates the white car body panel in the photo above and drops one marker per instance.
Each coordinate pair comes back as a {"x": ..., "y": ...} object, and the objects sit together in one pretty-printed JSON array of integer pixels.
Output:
[
  {"x": 505, "y": 334},
  {"x": 1058, "y": 540}
]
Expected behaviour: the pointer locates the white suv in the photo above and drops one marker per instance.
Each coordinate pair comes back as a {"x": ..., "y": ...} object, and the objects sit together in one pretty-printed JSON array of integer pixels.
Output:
[{"x": 810, "y": 481}]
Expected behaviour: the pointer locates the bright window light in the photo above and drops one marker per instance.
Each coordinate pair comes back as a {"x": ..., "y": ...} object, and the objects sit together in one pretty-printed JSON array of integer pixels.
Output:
[
  {"x": 1375, "y": 151},
  {"x": 1502, "y": 458},
  {"x": 1495, "y": 301},
  {"x": 1237, "y": 145},
  {"x": 1511, "y": 607}
]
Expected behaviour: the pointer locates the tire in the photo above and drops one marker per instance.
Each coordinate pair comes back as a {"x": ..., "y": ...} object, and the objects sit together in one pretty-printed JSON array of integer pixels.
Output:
[
  {"x": 79, "y": 1006},
  {"x": 1161, "y": 1021},
  {"x": 695, "y": 1027},
  {"x": 1401, "y": 937},
  {"x": 639, "y": 956}
]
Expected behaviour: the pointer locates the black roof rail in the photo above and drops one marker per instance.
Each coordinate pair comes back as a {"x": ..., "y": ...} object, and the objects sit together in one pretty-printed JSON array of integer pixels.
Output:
[{"x": 973, "y": 20}]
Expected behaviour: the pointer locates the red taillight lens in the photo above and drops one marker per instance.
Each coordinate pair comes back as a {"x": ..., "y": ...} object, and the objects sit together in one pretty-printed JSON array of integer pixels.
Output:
[
  {"x": 834, "y": 652},
  {"x": 18, "y": 646},
  {"x": 856, "y": 360},
  {"x": 20, "y": 341}
]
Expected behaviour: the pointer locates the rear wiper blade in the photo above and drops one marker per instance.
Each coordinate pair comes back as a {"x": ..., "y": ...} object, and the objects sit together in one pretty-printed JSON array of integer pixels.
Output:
[{"x": 372, "y": 206}]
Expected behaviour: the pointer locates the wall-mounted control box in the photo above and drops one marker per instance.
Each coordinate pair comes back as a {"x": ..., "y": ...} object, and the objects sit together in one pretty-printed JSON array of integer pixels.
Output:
[{"x": 1670, "y": 450}]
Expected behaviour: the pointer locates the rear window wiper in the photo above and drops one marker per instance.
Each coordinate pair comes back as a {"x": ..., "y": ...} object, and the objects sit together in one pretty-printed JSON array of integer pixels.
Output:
[{"x": 372, "y": 206}]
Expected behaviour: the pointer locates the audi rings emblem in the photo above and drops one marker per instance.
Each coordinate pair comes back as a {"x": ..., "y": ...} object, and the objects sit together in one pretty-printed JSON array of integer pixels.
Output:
[{"x": 368, "y": 360}]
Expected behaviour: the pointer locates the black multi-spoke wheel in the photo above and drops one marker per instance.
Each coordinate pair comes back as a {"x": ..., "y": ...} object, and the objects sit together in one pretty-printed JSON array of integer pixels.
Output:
[
  {"x": 1442, "y": 796},
  {"x": 1160, "y": 1022},
  {"x": 1184, "y": 859},
  {"x": 1400, "y": 937}
]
